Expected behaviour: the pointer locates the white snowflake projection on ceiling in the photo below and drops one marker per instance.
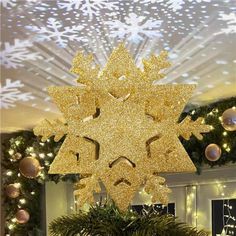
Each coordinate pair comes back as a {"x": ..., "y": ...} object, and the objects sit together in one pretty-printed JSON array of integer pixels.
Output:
[
  {"x": 230, "y": 19},
  {"x": 174, "y": 5},
  {"x": 89, "y": 8},
  {"x": 10, "y": 93},
  {"x": 13, "y": 56},
  {"x": 55, "y": 31},
  {"x": 41, "y": 38},
  {"x": 134, "y": 28},
  {"x": 8, "y": 3}
]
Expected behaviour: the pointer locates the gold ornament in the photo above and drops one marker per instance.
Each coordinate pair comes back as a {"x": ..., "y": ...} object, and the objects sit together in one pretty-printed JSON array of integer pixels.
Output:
[
  {"x": 22, "y": 216},
  {"x": 229, "y": 119},
  {"x": 13, "y": 190},
  {"x": 121, "y": 129},
  {"x": 213, "y": 152},
  {"x": 29, "y": 167}
]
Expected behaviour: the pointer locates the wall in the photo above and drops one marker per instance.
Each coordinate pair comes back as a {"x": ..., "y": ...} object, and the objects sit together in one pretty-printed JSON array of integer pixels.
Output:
[{"x": 58, "y": 197}]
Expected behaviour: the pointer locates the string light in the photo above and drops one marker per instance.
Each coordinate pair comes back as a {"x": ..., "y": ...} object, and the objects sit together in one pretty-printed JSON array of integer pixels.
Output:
[
  {"x": 229, "y": 218},
  {"x": 30, "y": 149},
  {"x": 11, "y": 226},
  {"x": 17, "y": 142},
  {"x": 225, "y": 145},
  {"x": 225, "y": 133},
  {"x": 33, "y": 154},
  {"x": 22, "y": 201},
  {"x": 46, "y": 163},
  {"x": 42, "y": 155},
  {"x": 11, "y": 151},
  {"x": 9, "y": 173}
]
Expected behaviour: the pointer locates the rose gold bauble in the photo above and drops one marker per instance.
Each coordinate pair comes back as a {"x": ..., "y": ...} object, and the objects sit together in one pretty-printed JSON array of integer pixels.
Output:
[
  {"x": 29, "y": 167},
  {"x": 213, "y": 152},
  {"x": 12, "y": 190},
  {"x": 22, "y": 216},
  {"x": 229, "y": 119}
]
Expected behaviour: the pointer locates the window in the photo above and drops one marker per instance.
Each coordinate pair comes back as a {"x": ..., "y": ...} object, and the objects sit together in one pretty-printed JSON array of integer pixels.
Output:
[{"x": 224, "y": 217}]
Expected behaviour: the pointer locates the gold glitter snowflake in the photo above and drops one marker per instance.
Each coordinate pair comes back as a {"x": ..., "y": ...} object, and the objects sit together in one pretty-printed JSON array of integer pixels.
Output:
[{"x": 121, "y": 129}]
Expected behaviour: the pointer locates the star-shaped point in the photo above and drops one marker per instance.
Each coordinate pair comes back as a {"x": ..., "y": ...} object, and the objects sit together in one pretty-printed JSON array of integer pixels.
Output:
[{"x": 123, "y": 132}]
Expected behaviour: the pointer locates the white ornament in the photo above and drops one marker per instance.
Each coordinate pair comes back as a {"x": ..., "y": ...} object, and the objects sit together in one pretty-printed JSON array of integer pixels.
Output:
[
  {"x": 88, "y": 7},
  {"x": 57, "y": 32},
  {"x": 13, "y": 55},
  {"x": 10, "y": 94},
  {"x": 135, "y": 28}
]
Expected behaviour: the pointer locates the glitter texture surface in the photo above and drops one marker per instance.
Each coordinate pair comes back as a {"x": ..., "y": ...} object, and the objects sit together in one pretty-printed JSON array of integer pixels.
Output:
[{"x": 120, "y": 128}]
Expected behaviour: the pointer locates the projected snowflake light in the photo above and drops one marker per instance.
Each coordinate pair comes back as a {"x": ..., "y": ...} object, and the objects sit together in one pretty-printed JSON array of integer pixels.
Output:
[{"x": 41, "y": 37}]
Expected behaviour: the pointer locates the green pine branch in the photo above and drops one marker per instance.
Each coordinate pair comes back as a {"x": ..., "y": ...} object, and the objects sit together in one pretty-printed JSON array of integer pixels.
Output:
[{"x": 109, "y": 221}]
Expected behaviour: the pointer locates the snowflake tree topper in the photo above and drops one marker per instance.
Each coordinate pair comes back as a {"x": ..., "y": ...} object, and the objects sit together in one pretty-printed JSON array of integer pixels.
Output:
[{"x": 121, "y": 129}]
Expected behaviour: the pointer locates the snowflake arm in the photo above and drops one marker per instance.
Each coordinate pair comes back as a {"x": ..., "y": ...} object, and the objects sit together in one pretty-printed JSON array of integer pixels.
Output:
[
  {"x": 189, "y": 127},
  {"x": 70, "y": 4},
  {"x": 10, "y": 94},
  {"x": 155, "y": 185},
  {"x": 47, "y": 129},
  {"x": 134, "y": 28},
  {"x": 154, "y": 65},
  {"x": 13, "y": 55},
  {"x": 89, "y": 8},
  {"x": 83, "y": 66},
  {"x": 55, "y": 31},
  {"x": 5, "y": 3},
  {"x": 86, "y": 188}
]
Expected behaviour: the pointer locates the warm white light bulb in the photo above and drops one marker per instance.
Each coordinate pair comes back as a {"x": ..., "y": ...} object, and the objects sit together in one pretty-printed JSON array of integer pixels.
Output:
[
  {"x": 41, "y": 155},
  {"x": 22, "y": 201},
  {"x": 11, "y": 226},
  {"x": 225, "y": 145},
  {"x": 11, "y": 151},
  {"x": 17, "y": 142},
  {"x": 9, "y": 173},
  {"x": 50, "y": 154}
]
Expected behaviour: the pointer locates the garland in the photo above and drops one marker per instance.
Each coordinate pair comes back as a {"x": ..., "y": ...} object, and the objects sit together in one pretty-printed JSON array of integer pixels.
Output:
[
  {"x": 109, "y": 221},
  {"x": 225, "y": 140},
  {"x": 26, "y": 144}
]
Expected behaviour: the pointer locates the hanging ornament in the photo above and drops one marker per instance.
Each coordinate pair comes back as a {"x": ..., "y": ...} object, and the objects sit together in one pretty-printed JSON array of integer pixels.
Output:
[
  {"x": 229, "y": 119},
  {"x": 13, "y": 190},
  {"x": 29, "y": 167},
  {"x": 22, "y": 216},
  {"x": 213, "y": 152},
  {"x": 15, "y": 157}
]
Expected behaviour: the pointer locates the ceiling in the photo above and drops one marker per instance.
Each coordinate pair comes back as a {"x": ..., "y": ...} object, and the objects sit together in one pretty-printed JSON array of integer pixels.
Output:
[{"x": 40, "y": 39}]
